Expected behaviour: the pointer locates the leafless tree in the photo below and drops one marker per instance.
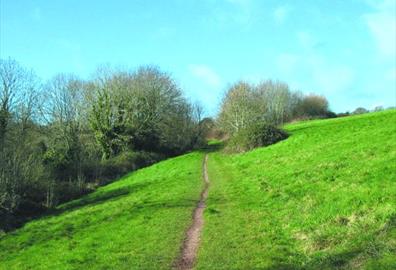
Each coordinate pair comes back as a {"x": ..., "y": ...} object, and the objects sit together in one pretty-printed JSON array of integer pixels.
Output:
[
  {"x": 19, "y": 90},
  {"x": 239, "y": 107},
  {"x": 19, "y": 96}
]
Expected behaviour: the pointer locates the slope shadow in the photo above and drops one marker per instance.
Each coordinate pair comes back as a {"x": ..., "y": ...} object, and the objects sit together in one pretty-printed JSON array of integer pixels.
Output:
[
  {"x": 66, "y": 229},
  {"x": 99, "y": 197},
  {"x": 214, "y": 147}
]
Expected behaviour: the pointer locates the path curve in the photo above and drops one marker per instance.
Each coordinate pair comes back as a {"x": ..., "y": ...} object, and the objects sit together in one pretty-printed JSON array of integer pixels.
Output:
[{"x": 190, "y": 246}]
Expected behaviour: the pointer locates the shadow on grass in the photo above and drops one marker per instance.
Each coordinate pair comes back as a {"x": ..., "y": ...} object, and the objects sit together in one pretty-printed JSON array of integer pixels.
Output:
[
  {"x": 92, "y": 199},
  {"x": 340, "y": 261},
  {"x": 353, "y": 258},
  {"x": 65, "y": 228},
  {"x": 212, "y": 147},
  {"x": 99, "y": 197}
]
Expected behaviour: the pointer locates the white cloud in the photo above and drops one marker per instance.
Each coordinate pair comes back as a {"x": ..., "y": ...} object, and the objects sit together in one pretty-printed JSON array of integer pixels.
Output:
[
  {"x": 320, "y": 73},
  {"x": 239, "y": 12},
  {"x": 333, "y": 79},
  {"x": 306, "y": 40},
  {"x": 391, "y": 74},
  {"x": 382, "y": 25},
  {"x": 280, "y": 13},
  {"x": 286, "y": 62},
  {"x": 329, "y": 77},
  {"x": 206, "y": 74}
]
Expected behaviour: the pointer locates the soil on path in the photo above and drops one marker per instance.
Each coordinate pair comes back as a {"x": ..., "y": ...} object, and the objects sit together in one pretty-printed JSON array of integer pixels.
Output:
[{"x": 190, "y": 246}]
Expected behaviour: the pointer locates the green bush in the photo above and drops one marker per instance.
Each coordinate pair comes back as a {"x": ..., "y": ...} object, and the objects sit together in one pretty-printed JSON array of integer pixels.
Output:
[{"x": 255, "y": 135}]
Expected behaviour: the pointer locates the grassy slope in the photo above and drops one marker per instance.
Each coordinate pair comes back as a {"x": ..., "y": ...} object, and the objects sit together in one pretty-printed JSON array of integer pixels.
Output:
[
  {"x": 135, "y": 223},
  {"x": 323, "y": 199}
]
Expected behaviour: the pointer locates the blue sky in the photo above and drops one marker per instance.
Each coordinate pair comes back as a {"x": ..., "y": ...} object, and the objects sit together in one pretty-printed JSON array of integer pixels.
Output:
[{"x": 342, "y": 49}]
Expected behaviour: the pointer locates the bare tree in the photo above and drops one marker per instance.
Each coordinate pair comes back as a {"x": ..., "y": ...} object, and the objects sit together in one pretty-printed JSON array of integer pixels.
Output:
[
  {"x": 19, "y": 96},
  {"x": 65, "y": 111},
  {"x": 239, "y": 108},
  {"x": 276, "y": 101},
  {"x": 19, "y": 90},
  {"x": 360, "y": 110}
]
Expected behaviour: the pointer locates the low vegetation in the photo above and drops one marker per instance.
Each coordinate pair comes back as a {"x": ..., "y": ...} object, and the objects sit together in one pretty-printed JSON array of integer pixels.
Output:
[
  {"x": 62, "y": 138},
  {"x": 250, "y": 113},
  {"x": 270, "y": 102},
  {"x": 322, "y": 199},
  {"x": 253, "y": 136},
  {"x": 137, "y": 222},
  {"x": 291, "y": 190}
]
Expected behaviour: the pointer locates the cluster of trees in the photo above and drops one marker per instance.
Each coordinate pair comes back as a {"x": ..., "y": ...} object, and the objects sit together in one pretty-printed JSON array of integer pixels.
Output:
[
  {"x": 61, "y": 138},
  {"x": 362, "y": 110},
  {"x": 269, "y": 102}
]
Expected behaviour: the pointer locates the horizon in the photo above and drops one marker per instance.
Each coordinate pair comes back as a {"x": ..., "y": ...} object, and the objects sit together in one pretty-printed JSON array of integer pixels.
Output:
[{"x": 348, "y": 54}]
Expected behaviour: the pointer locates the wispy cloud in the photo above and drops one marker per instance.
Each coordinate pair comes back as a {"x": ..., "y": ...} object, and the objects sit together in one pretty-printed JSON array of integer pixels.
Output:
[
  {"x": 164, "y": 32},
  {"x": 332, "y": 78},
  {"x": 306, "y": 40},
  {"x": 234, "y": 12},
  {"x": 382, "y": 25},
  {"x": 281, "y": 13},
  {"x": 206, "y": 74},
  {"x": 317, "y": 70},
  {"x": 287, "y": 62},
  {"x": 243, "y": 3},
  {"x": 391, "y": 74}
]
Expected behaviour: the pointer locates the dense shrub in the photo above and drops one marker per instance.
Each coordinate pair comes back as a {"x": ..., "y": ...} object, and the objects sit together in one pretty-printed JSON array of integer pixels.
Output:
[
  {"x": 360, "y": 110},
  {"x": 314, "y": 106},
  {"x": 63, "y": 138},
  {"x": 255, "y": 135}
]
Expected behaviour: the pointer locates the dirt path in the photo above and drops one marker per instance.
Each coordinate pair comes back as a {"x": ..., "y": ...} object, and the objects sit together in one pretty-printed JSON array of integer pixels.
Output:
[{"x": 191, "y": 242}]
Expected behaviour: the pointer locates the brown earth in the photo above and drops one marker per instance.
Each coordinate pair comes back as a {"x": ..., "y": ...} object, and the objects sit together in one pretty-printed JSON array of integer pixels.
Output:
[{"x": 190, "y": 246}]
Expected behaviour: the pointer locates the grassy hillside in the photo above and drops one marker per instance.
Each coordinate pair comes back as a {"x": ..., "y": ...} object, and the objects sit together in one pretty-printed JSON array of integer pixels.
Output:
[
  {"x": 135, "y": 223},
  {"x": 323, "y": 199}
]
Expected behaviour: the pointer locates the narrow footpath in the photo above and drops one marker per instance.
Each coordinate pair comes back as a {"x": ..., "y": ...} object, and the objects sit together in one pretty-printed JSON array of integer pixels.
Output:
[{"x": 190, "y": 246}]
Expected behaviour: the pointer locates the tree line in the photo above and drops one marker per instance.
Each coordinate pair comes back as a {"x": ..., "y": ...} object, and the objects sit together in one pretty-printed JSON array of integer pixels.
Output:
[
  {"x": 269, "y": 101},
  {"x": 251, "y": 114},
  {"x": 61, "y": 138}
]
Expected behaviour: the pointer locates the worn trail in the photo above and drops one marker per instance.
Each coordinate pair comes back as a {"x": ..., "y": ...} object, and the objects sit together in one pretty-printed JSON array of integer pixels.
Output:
[{"x": 190, "y": 246}]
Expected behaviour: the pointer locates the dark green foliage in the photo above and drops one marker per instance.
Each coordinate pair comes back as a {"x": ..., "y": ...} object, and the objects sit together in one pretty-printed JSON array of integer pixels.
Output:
[
  {"x": 343, "y": 114},
  {"x": 141, "y": 111},
  {"x": 331, "y": 114},
  {"x": 107, "y": 124},
  {"x": 314, "y": 106},
  {"x": 256, "y": 135},
  {"x": 63, "y": 139},
  {"x": 360, "y": 110},
  {"x": 125, "y": 162},
  {"x": 137, "y": 222}
]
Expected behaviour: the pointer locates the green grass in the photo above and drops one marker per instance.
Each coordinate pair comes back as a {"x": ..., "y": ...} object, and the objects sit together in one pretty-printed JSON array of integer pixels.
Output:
[
  {"x": 135, "y": 223},
  {"x": 325, "y": 198}
]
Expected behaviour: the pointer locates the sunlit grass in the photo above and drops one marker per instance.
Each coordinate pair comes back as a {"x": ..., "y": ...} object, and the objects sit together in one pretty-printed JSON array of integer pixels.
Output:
[
  {"x": 323, "y": 199},
  {"x": 135, "y": 223}
]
